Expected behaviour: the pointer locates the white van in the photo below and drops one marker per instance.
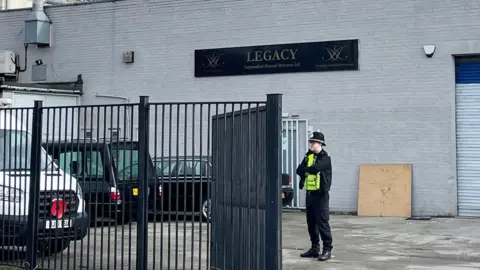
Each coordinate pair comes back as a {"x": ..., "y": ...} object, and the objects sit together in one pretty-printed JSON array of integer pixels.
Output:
[{"x": 62, "y": 215}]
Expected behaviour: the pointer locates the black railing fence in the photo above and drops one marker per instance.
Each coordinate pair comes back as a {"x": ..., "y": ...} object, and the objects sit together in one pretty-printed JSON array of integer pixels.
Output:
[{"x": 141, "y": 186}]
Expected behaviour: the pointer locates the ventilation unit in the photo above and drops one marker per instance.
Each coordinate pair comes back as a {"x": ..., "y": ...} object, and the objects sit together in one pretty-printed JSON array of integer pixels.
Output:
[{"x": 7, "y": 63}]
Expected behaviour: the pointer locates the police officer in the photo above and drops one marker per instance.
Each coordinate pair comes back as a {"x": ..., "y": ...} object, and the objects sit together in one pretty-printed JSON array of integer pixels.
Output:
[{"x": 315, "y": 173}]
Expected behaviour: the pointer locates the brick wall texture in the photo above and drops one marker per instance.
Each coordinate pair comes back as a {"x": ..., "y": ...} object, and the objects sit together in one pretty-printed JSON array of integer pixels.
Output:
[{"x": 398, "y": 108}]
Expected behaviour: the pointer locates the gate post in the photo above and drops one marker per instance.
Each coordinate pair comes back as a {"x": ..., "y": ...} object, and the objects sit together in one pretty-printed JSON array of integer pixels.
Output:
[
  {"x": 34, "y": 189},
  {"x": 143, "y": 148},
  {"x": 273, "y": 186}
]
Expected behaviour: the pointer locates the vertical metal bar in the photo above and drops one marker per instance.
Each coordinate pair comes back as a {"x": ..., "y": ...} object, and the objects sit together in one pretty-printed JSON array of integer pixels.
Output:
[
  {"x": 273, "y": 209},
  {"x": 170, "y": 184},
  {"x": 242, "y": 171},
  {"x": 60, "y": 129},
  {"x": 4, "y": 157},
  {"x": 129, "y": 163},
  {"x": 177, "y": 184},
  {"x": 92, "y": 206},
  {"x": 249, "y": 186},
  {"x": 64, "y": 178},
  {"x": 142, "y": 235},
  {"x": 209, "y": 183},
  {"x": 185, "y": 185},
  {"x": 25, "y": 157},
  {"x": 83, "y": 195},
  {"x": 161, "y": 184},
  {"x": 20, "y": 157},
  {"x": 285, "y": 152},
  {"x": 97, "y": 156},
  {"x": 225, "y": 197},
  {"x": 290, "y": 148},
  {"x": 258, "y": 179},
  {"x": 5, "y": 166},
  {"x": 233, "y": 177},
  {"x": 192, "y": 184},
  {"x": 117, "y": 153},
  {"x": 154, "y": 192},
  {"x": 98, "y": 189},
  {"x": 296, "y": 184},
  {"x": 112, "y": 159},
  {"x": 34, "y": 189},
  {"x": 105, "y": 173},
  {"x": 201, "y": 196},
  {"x": 9, "y": 159}
]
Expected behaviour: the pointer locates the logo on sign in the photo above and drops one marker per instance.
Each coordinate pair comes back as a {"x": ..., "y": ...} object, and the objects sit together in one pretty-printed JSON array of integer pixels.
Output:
[
  {"x": 335, "y": 53},
  {"x": 213, "y": 61}
]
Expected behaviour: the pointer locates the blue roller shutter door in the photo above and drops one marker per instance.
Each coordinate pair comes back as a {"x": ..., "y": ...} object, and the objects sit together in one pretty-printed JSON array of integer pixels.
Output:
[{"x": 468, "y": 136}]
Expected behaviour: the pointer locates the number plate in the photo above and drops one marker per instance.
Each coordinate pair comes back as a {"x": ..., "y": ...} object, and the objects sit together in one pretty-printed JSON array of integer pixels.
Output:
[
  {"x": 283, "y": 195},
  {"x": 135, "y": 192},
  {"x": 58, "y": 224}
]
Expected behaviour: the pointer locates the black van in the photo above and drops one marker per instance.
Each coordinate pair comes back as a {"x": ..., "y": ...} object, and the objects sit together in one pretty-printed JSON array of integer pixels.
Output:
[{"x": 107, "y": 172}]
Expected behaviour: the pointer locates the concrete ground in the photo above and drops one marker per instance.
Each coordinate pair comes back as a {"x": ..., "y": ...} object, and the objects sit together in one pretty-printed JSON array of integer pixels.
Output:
[
  {"x": 387, "y": 243},
  {"x": 359, "y": 243}
]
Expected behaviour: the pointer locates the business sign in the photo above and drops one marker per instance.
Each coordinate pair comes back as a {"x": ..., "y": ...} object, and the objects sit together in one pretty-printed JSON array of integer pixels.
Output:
[{"x": 282, "y": 58}]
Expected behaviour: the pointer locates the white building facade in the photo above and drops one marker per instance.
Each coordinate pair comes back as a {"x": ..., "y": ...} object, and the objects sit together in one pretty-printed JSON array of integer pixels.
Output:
[
  {"x": 15, "y": 4},
  {"x": 398, "y": 107}
]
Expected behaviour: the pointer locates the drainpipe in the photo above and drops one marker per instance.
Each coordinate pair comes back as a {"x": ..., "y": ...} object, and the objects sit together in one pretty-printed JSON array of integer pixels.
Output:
[
  {"x": 55, "y": 2},
  {"x": 127, "y": 100}
]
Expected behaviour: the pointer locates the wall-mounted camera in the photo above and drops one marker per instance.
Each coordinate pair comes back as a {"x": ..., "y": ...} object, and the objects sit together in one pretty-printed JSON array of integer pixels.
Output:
[{"x": 39, "y": 62}]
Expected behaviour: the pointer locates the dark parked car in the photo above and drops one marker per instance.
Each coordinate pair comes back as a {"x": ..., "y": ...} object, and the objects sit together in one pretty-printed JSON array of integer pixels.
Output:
[
  {"x": 186, "y": 185},
  {"x": 107, "y": 172}
]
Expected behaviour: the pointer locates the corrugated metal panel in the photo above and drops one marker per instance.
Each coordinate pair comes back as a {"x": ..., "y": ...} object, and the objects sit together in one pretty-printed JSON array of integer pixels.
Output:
[
  {"x": 468, "y": 136},
  {"x": 294, "y": 146}
]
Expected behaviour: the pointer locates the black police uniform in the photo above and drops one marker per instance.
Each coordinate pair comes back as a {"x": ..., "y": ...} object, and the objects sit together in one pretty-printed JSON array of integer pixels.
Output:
[{"x": 317, "y": 202}]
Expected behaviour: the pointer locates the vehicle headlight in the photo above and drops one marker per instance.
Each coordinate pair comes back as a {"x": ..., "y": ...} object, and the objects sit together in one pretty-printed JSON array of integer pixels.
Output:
[{"x": 10, "y": 194}]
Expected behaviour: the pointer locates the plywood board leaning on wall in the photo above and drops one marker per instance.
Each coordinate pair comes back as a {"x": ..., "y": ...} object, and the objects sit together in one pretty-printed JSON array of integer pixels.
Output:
[{"x": 385, "y": 190}]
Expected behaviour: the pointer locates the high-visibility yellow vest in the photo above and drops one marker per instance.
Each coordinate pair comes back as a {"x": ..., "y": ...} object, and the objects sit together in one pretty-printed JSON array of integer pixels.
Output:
[{"x": 312, "y": 181}]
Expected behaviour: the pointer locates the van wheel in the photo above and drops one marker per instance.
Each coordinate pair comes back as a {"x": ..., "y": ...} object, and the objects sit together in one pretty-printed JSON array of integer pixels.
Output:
[
  {"x": 206, "y": 209},
  {"x": 51, "y": 247}
]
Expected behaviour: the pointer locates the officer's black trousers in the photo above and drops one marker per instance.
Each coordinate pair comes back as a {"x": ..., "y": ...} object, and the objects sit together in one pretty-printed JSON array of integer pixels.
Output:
[{"x": 318, "y": 217}]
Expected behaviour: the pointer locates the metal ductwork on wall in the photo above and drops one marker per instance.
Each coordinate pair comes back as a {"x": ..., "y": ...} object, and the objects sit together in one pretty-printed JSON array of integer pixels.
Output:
[{"x": 37, "y": 25}]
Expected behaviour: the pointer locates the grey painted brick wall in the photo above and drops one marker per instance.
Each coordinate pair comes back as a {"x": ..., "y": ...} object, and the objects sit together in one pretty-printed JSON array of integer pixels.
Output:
[{"x": 399, "y": 108}]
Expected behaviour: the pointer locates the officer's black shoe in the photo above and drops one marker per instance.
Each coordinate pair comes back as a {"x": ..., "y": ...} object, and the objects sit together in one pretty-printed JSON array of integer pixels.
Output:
[
  {"x": 313, "y": 252},
  {"x": 325, "y": 256}
]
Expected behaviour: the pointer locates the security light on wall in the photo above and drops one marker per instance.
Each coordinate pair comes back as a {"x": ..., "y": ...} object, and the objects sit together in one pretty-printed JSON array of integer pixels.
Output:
[
  {"x": 429, "y": 50},
  {"x": 128, "y": 57}
]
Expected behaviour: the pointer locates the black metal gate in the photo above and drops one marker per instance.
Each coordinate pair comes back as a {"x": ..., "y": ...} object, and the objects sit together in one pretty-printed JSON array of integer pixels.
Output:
[{"x": 142, "y": 186}]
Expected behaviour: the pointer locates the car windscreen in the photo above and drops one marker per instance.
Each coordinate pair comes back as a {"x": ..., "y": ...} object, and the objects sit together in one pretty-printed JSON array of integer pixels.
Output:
[
  {"x": 15, "y": 151},
  {"x": 126, "y": 162},
  {"x": 82, "y": 163},
  {"x": 182, "y": 167}
]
